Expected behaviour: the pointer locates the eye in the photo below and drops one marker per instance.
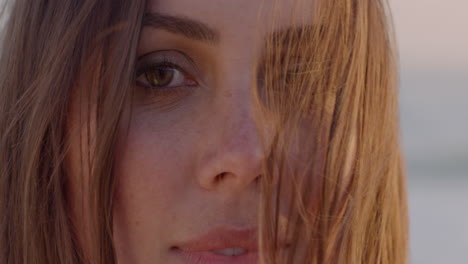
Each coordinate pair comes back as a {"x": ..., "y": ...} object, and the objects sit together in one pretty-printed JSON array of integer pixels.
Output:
[
  {"x": 164, "y": 76},
  {"x": 165, "y": 71},
  {"x": 164, "y": 79}
]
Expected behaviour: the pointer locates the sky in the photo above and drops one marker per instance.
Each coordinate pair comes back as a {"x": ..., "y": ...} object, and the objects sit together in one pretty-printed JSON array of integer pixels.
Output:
[
  {"x": 433, "y": 42},
  {"x": 432, "y": 33},
  {"x": 432, "y": 36}
]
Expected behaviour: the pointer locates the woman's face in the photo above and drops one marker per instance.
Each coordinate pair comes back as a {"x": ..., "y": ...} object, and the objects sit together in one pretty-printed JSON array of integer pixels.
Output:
[{"x": 187, "y": 172}]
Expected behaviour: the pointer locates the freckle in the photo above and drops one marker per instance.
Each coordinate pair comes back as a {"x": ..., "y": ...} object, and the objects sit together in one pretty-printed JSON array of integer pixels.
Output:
[
  {"x": 173, "y": 217},
  {"x": 228, "y": 94}
]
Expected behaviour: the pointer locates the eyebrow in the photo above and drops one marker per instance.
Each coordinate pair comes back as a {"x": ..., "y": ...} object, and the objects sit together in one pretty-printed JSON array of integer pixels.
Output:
[{"x": 182, "y": 25}]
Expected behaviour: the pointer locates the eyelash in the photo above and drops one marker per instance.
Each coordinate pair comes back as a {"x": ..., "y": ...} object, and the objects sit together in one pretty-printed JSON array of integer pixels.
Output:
[{"x": 167, "y": 63}]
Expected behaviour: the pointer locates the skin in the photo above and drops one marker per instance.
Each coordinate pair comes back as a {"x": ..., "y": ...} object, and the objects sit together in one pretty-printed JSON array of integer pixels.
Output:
[{"x": 191, "y": 160}]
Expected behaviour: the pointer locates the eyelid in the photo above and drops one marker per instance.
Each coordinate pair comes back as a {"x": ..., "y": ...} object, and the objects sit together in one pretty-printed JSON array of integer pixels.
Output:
[{"x": 173, "y": 58}]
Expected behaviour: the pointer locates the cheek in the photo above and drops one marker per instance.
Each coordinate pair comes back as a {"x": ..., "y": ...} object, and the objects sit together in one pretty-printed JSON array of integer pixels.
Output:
[{"x": 151, "y": 174}]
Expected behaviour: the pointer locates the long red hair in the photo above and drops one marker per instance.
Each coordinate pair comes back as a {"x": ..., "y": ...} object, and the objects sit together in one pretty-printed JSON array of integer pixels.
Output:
[{"x": 337, "y": 81}]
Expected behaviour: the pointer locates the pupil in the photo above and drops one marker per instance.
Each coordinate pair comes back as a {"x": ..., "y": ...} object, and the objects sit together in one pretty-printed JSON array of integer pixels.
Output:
[{"x": 160, "y": 76}]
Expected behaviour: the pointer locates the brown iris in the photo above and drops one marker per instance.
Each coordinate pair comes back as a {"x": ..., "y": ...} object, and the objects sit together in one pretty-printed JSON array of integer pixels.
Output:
[{"x": 159, "y": 76}]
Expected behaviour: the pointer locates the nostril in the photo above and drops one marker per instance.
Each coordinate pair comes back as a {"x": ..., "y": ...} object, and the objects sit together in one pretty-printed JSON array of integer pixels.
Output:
[{"x": 220, "y": 177}]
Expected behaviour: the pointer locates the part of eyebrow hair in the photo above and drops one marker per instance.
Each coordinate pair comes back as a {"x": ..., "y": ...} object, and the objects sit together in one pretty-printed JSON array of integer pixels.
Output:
[{"x": 182, "y": 25}]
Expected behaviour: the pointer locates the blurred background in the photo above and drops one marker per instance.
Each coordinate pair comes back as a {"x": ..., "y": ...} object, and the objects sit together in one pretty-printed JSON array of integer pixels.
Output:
[
  {"x": 432, "y": 36},
  {"x": 433, "y": 41}
]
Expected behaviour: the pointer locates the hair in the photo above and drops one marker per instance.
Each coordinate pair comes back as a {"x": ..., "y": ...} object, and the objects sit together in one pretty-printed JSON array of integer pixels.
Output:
[{"x": 348, "y": 201}]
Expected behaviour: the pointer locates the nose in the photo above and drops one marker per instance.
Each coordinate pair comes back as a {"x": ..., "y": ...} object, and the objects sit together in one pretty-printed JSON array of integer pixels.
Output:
[{"x": 235, "y": 150}]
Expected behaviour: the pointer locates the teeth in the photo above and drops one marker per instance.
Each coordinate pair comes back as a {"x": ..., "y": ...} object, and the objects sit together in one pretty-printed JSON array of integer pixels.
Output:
[{"x": 230, "y": 251}]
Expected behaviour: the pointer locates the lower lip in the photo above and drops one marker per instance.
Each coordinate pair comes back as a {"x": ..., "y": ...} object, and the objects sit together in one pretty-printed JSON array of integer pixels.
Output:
[{"x": 208, "y": 257}]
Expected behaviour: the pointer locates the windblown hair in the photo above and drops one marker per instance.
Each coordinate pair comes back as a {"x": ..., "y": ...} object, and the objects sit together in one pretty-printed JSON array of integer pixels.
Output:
[{"x": 336, "y": 80}]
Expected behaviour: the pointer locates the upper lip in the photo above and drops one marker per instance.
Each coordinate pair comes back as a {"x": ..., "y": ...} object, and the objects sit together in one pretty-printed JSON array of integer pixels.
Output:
[{"x": 222, "y": 237}]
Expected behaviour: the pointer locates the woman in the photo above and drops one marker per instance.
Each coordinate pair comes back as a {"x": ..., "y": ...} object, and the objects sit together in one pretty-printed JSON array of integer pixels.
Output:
[{"x": 200, "y": 131}]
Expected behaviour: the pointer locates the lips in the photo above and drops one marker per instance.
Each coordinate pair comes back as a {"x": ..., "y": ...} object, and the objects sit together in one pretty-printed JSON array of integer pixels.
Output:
[{"x": 222, "y": 245}]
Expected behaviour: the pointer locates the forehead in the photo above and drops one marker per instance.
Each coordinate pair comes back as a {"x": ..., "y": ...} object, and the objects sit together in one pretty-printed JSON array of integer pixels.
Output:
[{"x": 239, "y": 17}]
